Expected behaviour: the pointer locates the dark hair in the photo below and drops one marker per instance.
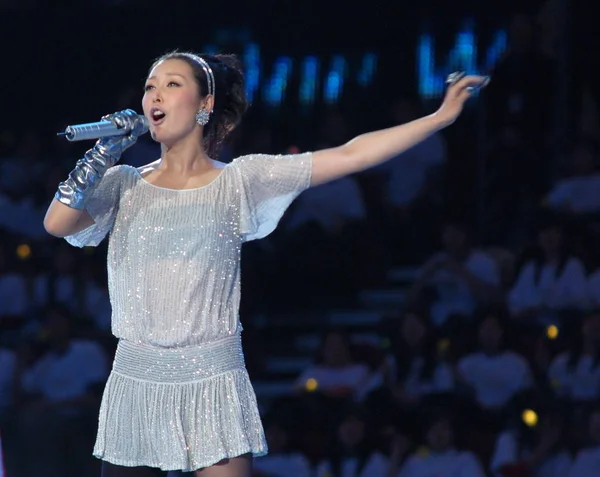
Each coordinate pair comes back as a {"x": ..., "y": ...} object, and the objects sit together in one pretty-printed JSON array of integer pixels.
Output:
[
  {"x": 230, "y": 95},
  {"x": 364, "y": 449},
  {"x": 326, "y": 333},
  {"x": 405, "y": 356},
  {"x": 575, "y": 351}
]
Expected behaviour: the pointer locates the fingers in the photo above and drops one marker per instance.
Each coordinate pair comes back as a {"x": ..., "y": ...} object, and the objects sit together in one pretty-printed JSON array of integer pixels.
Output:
[
  {"x": 460, "y": 84},
  {"x": 121, "y": 118}
]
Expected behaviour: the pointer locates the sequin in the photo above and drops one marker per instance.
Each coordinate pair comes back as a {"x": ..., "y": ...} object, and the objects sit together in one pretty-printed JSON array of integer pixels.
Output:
[{"x": 179, "y": 396}]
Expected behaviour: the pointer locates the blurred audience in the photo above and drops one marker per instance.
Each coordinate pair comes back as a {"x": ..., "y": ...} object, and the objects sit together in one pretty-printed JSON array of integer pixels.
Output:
[
  {"x": 439, "y": 456},
  {"x": 494, "y": 375},
  {"x": 551, "y": 280},
  {"x": 538, "y": 451},
  {"x": 335, "y": 373},
  {"x": 578, "y": 193},
  {"x": 461, "y": 277},
  {"x": 587, "y": 462},
  {"x": 575, "y": 373}
]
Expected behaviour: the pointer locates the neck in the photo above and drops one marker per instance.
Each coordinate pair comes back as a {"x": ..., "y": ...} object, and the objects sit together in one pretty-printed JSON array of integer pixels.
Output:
[{"x": 185, "y": 157}]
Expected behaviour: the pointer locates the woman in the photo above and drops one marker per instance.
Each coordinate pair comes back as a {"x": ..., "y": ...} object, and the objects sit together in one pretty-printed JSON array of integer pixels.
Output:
[
  {"x": 538, "y": 451},
  {"x": 179, "y": 396},
  {"x": 418, "y": 365},
  {"x": 551, "y": 281},
  {"x": 439, "y": 457},
  {"x": 353, "y": 452},
  {"x": 575, "y": 374},
  {"x": 335, "y": 372}
]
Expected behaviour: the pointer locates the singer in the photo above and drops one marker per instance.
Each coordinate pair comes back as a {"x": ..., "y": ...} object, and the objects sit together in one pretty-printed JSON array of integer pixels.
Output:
[{"x": 179, "y": 396}]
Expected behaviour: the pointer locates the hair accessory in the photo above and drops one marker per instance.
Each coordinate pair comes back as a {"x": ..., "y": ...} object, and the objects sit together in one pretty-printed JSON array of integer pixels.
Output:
[{"x": 210, "y": 77}]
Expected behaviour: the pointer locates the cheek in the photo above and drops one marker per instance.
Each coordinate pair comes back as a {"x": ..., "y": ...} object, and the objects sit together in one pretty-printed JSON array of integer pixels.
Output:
[{"x": 146, "y": 104}]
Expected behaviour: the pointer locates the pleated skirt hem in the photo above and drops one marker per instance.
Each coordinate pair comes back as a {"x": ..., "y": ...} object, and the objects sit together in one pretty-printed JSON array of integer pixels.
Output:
[
  {"x": 179, "y": 426},
  {"x": 159, "y": 465}
]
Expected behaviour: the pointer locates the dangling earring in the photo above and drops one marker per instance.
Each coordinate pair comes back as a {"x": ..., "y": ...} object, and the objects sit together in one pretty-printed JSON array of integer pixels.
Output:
[{"x": 202, "y": 117}]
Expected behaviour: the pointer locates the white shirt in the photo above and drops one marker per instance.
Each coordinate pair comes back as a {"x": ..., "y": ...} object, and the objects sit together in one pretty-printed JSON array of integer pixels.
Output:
[
  {"x": 577, "y": 194},
  {"x": 328, "y": 204},
  {"x": 282, "y": 465},
  {"x": 593, "y": 286},
  {"x": 407, "y": 172},
  {"x": 567, "y": 291},
  {"x": 580, "y": 383},
  {"x": 495, "y": 379},
  {"x": 65, "y": 289},
  {"x": 13, "y": 294},
  {"x": 506, "y": 452},
  {"x": 445, "y": 464},
  {"x": 7, "y": 369},
  {"x": 441, "y": 380},
  {"x": 587, "y": 463},
  {"x": 454, "y": 294},
  {"x": 352, "y": 376},
  {"x": 377, "y": 465},
  {"x": 67, "y": 376}
]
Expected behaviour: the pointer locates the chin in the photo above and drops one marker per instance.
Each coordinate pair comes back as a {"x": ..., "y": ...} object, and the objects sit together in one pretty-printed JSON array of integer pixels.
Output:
[
  {"x": 166, "y": 138},
  {"x": 162, "y": 137}
]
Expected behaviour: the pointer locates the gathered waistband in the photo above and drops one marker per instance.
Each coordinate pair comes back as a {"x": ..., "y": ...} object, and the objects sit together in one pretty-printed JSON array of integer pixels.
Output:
[{"x": 178, "y": 365}]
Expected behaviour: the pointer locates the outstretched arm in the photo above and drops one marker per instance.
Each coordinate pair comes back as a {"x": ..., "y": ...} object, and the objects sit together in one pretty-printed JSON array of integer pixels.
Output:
[{"x": 368, "y": 150}]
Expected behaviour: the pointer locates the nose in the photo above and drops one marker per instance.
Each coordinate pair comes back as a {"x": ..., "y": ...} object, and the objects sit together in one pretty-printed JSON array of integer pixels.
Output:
[{"x": 156, "y": 97}]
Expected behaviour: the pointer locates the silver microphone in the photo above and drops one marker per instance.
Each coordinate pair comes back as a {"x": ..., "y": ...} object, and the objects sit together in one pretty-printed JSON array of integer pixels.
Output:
[{"x": 83, "y": 132}]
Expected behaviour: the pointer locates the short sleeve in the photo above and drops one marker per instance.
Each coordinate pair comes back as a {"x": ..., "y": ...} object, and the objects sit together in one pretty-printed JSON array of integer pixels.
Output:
[
  {"x": 269, "y": 185},
  {"x": 102, "y": 207}
]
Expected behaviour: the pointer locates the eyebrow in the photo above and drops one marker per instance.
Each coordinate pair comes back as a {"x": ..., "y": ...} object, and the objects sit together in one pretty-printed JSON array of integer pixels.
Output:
[{"x": 168, "y": 74}]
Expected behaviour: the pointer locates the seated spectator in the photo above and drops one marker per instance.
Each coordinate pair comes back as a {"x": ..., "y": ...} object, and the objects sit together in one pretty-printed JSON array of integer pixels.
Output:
[
  {"x": 495, "y": 375},
  {"x": 7, "y": 414},
  {"x": 550, "y": 281},
  {"x": 416, "y": 368},
  {"x": 60, "y": 400},
  {"x": 7, "y": 377},
  {"x": 587, "y": 462},
  {"x": 593, "y": 288},
  {"x": 408, "y": 176},
  {"x": 439, "y": 457},
  {"x": 13, "y": 289},
  {"x": 335, "y": 374},
  {"x": 575, "y": 374},
  {"x": 282, "y": 460},
  {"x": 578, "y": 194},
  {"x": 60, "y": 284},
  {"x": 538, "y": 451},
  {"x": 353, "y": 453},
  {"x": 329, "y": 207},
  {"x": 461, "y": 276}
]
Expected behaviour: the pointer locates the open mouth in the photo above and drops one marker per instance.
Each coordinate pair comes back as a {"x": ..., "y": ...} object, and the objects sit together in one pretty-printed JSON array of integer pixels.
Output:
[{"x": 157, "y": 115}]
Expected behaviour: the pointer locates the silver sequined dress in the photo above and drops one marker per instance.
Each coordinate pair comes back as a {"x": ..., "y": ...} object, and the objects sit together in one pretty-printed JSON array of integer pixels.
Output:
[{"x": 179, "y": 396}]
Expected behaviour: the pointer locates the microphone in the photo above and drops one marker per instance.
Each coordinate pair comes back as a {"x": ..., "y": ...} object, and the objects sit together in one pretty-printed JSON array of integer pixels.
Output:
[{"x": 83, "y": 132}]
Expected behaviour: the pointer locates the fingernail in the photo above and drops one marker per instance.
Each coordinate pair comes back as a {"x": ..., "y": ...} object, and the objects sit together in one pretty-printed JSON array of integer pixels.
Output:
[
  {"x": 455, "y": 77},
  {"x": 486, "y": 81}
]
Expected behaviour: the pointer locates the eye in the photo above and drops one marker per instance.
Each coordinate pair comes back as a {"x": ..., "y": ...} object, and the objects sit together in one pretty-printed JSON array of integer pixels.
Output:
[
  {"x": 148, "y": 87},
  {"x": 173, "y": 83}
]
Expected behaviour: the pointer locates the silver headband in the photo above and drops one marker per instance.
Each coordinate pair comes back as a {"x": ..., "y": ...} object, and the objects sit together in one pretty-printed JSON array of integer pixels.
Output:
[{"x": 210, "y": 77}]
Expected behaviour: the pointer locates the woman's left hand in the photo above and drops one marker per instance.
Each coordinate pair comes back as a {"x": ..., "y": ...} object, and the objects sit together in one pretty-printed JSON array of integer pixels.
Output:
[{"x": 457, "y": 93}]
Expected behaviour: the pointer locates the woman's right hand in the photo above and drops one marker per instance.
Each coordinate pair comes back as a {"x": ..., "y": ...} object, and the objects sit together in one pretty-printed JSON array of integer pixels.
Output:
[{"x": 114, "y": 146}]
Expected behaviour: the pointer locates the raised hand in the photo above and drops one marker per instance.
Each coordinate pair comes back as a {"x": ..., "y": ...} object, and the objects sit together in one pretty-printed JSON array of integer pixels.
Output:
[{"x": 460, "y": 88}]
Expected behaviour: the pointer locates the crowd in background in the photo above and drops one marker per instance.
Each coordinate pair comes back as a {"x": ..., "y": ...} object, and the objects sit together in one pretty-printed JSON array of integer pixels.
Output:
[{"x": 492, "y": 366}]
